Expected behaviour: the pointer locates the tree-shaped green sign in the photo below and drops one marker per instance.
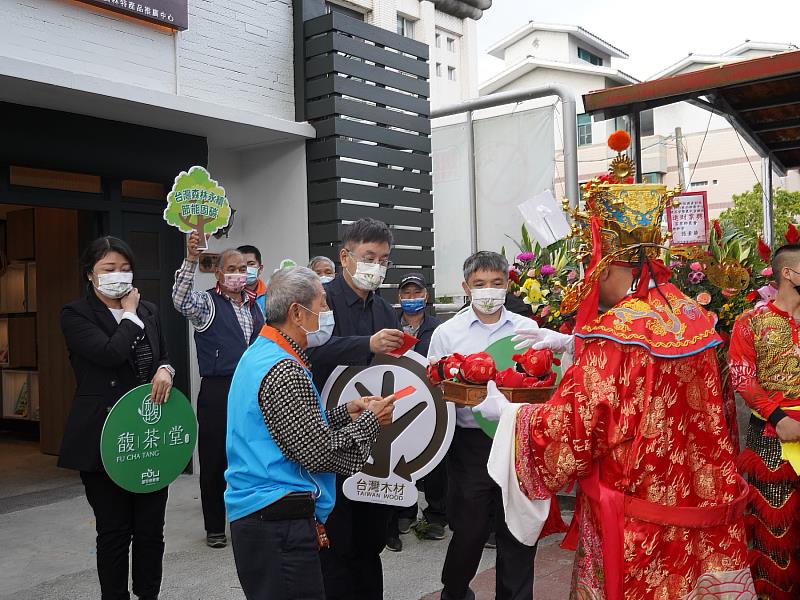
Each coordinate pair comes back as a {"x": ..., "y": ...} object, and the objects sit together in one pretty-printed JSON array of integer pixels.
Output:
[{"x": 197, "y": 203}]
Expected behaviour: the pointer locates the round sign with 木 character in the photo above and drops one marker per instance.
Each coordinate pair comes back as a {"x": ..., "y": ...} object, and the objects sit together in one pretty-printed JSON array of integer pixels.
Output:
[
  {"x": 145, "y": 446},
  {"x": 413, "y": 444}
]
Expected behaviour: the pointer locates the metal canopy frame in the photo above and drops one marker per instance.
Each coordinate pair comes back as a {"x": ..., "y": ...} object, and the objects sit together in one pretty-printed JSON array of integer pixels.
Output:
[{"x": 760, "y": 98}]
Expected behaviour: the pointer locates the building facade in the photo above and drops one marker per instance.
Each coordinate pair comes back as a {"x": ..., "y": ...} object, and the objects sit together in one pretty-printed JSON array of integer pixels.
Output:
[
  {"x": 103, "y": 104},
  {"x": 309, "y": 120},
  {"x": 447, "y": 26},
  {"x": 716, "y": 159}
]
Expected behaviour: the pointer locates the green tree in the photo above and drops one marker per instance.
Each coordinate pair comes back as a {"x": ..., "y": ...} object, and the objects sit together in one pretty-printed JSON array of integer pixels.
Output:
[
  {"x": 746, "y": 213},
  {"x": 197, "y": 203}
]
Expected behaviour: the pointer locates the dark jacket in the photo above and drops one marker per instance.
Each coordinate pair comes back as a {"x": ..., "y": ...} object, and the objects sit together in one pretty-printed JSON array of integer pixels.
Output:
[
  {"x": 356, "y": 321},
  {"x": 102, "y": 357},
  {"x": 220, "y": 344},
  {"x": 424, "y": 333}
]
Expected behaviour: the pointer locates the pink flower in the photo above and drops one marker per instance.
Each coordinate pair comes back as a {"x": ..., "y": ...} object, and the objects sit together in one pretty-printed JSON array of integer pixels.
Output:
[
  {"x": 532, "y": 273},
  {"x": 729, "y": 293},
  {"x": 545, "y": 311},
  {"x": 766, "y": 272},
  {"x": 696, "y": 266},
  {"x": 547, "y": 270},
  {"x": 572, "y": 275},
  {"x": 696, "y": 277},
  {"x": 767, "y": 293},
  {"x": 525, "y": 256}
]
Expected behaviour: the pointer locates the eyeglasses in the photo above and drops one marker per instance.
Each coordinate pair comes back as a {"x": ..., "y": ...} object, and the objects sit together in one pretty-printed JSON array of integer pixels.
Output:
[{"x": 384, "y": 263}]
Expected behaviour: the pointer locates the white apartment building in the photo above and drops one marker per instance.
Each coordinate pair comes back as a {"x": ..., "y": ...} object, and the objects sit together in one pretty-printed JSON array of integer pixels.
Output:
[
  {"x": 447, "y": 26},
  {"x": 718, "y": 160}
]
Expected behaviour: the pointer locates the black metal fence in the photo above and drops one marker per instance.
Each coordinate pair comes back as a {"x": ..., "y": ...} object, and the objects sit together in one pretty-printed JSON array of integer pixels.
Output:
[{"x": 366, "y": 92}]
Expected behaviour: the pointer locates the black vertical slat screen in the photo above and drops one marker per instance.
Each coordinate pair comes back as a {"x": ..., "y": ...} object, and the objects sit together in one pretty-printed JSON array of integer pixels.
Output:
[{"x": 366, "y": 92}]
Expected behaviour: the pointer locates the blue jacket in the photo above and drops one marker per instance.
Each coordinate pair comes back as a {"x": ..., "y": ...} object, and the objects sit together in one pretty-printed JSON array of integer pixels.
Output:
[{"x": 258, "y": 474}]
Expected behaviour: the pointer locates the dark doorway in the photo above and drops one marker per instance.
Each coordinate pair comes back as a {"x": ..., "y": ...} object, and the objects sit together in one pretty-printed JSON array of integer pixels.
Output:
[
  {"x": 87, "y": 177},
  {"x": 159, "y": 251}
]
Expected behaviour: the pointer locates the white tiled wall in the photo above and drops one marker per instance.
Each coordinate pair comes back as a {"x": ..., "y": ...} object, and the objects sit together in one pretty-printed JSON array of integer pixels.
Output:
[{"x": 236, "y": 53}]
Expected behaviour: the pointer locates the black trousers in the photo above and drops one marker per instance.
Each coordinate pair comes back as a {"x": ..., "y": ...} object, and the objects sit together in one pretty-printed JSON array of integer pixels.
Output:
[
  {"x": 277, "y": 560},
  {"x": 123, "y": 519},
  {"x": 435, "y": 485},
  {"x": 473, "y": 499},
  {"x": 351, "y": 567},
  {"x": 212, "y": 420}
]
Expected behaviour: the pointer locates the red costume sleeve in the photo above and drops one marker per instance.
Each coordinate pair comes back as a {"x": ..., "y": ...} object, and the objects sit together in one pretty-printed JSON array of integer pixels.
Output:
[
  {"x": 594, "y": 410},
  {"x": 742, "y": 360}
]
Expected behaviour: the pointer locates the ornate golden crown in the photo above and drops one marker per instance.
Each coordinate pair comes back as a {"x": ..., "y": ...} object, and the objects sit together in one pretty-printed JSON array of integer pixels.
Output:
[{"x": 630, "y": 217}]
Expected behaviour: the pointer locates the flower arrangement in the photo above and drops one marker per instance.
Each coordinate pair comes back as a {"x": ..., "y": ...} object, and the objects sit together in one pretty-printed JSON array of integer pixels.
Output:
[
  {"x": 538, "y": 275},
  {"x": 727, "y": 277}
]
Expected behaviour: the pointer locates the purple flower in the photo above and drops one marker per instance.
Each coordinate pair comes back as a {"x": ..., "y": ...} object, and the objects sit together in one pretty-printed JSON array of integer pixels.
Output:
[
  {"x": 696, "y": 277},
  {"x": 525, "y": 256},
  {"x": 547, "y": 270}
]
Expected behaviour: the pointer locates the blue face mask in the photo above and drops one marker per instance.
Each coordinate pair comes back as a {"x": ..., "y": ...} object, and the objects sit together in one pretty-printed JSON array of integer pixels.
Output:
[
  {"x": 252, "y": 275},
  {"x": 413, "y": 305}
]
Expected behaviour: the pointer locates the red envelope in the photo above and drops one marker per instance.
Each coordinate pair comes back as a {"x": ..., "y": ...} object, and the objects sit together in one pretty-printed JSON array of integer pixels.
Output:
[
  {"x": 406, "y": 391},
  {"x": 409, "y": 341}
]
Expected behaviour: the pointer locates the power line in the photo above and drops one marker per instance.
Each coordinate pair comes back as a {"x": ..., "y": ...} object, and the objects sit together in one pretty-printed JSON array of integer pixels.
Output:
[
  {"x": 700, "y": 152},
  {"x": 741, "y": 144},
  {"x": 664, "y": 142}
]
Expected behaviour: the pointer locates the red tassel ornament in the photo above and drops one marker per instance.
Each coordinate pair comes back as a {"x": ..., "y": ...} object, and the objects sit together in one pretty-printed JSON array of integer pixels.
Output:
[
  {"x": 764, "y": 251},
  {"x": 791, "y": 234}
]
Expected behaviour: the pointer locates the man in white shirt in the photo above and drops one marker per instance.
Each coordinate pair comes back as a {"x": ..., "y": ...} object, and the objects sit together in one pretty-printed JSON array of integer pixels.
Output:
[{"x": 473, "y": 498}]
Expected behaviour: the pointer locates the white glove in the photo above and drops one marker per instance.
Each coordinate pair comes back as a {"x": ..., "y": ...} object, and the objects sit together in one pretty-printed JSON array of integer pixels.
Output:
[
  {"x": 492, "y": 406},
  {"x": 539, "y": 339}
]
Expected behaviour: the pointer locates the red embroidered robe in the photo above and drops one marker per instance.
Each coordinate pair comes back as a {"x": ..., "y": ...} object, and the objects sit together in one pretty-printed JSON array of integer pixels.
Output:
[{"x": 638, "y": 422}]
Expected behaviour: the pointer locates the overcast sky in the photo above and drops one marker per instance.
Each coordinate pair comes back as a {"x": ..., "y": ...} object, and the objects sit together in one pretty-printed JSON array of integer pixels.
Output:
[{"x": 654, "y": 34}]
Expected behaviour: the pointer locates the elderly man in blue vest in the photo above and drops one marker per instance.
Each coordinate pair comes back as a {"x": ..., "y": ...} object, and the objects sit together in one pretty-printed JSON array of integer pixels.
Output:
[
  {"x": 226, "y": 320},
  {"x": 284, "y": 448}
]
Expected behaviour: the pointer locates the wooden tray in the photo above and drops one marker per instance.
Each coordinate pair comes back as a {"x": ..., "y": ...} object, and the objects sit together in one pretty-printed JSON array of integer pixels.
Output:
[{"x": 462, "y": 394}]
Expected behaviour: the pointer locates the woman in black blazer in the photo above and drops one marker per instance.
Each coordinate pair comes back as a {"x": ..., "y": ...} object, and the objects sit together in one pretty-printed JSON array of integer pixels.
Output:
[{"x": 115, "y": 343}]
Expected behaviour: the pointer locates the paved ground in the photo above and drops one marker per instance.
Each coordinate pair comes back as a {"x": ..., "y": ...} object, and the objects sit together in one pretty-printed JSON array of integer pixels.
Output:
[{"x": 47, "y": 551}]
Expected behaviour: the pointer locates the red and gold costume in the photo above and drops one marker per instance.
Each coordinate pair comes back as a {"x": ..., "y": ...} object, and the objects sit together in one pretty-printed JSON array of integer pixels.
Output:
[
  {"x": 765, "y": 368},
  {"x": 638, "y": 422}
]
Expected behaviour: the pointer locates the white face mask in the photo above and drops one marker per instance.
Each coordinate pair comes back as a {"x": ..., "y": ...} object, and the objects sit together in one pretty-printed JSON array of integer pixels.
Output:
[
  {"x": 114, "y": 285},
  {"x": 324, "y": 331},
  {"x": 368, "y": 276},
  {"x": 488, "y": 300},
  {"x": 325, "y": 279}
]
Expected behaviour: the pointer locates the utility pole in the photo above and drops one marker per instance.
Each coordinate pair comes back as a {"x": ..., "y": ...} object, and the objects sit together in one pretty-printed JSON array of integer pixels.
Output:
[{"x": 681, "y": 158}]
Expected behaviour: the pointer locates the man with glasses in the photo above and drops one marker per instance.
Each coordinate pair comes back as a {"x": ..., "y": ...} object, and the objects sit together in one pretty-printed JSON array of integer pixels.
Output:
[{"x": 366, "y": 325}]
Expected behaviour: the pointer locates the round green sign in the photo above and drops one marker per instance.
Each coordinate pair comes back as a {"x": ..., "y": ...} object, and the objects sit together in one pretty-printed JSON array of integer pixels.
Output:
[{"x": 145, "y": 446}]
